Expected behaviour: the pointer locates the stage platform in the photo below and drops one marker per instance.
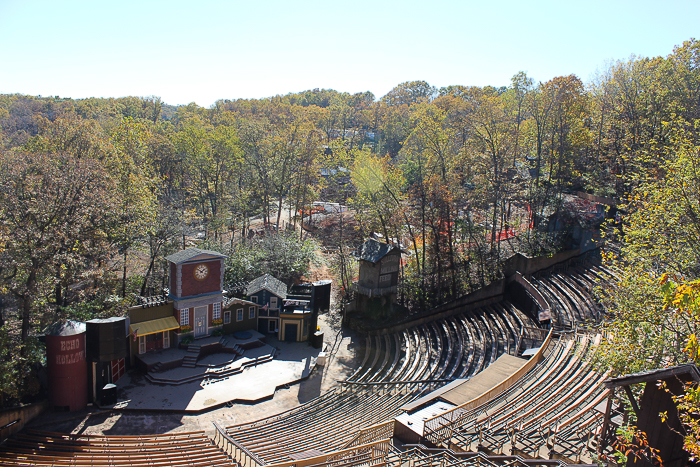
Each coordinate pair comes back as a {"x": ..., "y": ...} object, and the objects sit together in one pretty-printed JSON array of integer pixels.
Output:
[{"x": 257, "y": 381}]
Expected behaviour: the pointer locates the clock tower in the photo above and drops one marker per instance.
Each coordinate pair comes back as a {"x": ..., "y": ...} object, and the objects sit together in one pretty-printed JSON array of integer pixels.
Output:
[{"x": 196, "y": 288}]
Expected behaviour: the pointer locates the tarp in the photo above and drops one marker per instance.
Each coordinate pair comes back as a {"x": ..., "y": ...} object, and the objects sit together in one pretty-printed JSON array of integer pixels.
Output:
[{"x": 145, "y": 328}]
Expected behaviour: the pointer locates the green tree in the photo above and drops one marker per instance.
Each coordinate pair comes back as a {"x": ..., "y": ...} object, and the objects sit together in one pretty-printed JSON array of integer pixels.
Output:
[{"x": 136, "y": 187}]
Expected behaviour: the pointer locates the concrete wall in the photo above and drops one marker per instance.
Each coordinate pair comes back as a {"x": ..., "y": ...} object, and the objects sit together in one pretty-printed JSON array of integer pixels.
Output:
[
  {"x": 490, "y": 294},
  {"x": 526, "y": 265},
  {"x": 25, "y": 414}
]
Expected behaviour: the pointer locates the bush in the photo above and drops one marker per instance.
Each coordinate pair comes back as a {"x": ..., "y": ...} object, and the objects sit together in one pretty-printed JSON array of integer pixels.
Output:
[{"x": 187, "y": 340}]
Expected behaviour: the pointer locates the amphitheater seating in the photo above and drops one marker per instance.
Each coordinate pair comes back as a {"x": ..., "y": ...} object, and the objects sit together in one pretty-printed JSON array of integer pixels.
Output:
[
  {"x": 546, "y": 410},
  {"x": 421, "y": 456},
  {"x": 49, "y": 448},
  {"x": 551, "y": 410},
  {"x": 569, "y": 292},
  {"x": 455, "y": 347},
  {"x": 324, "y": 424}
]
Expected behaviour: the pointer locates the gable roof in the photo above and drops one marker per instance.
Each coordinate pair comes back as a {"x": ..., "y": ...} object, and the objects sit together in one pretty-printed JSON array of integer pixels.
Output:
[
  {"x": 687, "y": 371},
  {"x": 268, "y": 283},
  {"x": 373, "y": 250},
  {"x": 191, "y": 253}
]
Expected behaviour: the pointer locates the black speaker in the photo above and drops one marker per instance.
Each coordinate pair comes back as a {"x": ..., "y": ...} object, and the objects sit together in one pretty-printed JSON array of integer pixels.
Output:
[{"x": 106, "y": 339}]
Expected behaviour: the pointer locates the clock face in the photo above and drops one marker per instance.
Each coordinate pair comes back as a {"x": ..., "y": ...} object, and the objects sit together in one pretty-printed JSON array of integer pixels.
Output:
[{"x": 201, "y": 272}]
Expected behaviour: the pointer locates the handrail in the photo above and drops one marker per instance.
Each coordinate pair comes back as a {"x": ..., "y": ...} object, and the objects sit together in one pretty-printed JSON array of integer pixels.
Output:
[
  {"x": 447, "y": 421},
  {"x": 375, "y": 450},
  {"x": 231, "y": 447},
  {"x": 376, "y": 432},
  {"x": 8, "y": 425},
  {"x": 389, "y": 383}
]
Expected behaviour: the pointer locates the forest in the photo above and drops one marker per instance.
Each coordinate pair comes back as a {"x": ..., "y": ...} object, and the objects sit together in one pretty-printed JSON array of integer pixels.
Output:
[{"x": 95, "y": 192}]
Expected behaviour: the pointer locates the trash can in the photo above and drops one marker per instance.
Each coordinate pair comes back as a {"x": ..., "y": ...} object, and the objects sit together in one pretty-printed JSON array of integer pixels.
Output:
[
  {"x": 109, "y": 394},
  {"x": 317, "y": 340}
]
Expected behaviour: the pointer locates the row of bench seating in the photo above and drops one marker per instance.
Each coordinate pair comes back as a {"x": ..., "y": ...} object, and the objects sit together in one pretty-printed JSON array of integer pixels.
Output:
[
  {"x": 569, "y": 291},
  {"x": 455, "y": 347},
  {"x": 176, "y": 449},
  {"x": 544, "y": 413},
  {"x": 322, "y": 425},
  {"x": 418, "y": 455}
]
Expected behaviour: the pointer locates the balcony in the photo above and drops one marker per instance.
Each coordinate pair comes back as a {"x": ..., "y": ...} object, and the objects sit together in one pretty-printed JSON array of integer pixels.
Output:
[
  {"x": 269, "y": 313},
  {"x": 374, "y": 292}
]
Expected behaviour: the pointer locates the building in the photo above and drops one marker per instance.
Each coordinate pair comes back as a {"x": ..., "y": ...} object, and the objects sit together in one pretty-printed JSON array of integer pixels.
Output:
[
  {"x": 666, "y": 436},
  {"x": 268, "y": 293},
  {"x": 377, "y": 284},
  {"x": 379, "y": 269},
  {"x": 152, "y": 327},
  {"x": 197, "y": 289},
  {"x": 239, "y": 315}
]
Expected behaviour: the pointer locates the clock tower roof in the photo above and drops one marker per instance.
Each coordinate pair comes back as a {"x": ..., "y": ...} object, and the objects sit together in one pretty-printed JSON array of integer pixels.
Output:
[{"x": 193, "y": 254}]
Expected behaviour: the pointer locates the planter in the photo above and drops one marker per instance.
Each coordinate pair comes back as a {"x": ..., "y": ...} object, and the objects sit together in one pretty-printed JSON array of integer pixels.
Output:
[{"x": 183, "y": 335}]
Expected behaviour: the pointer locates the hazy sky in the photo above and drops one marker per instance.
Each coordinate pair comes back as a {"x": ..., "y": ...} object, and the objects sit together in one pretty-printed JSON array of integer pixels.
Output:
[{"x": 201, "y": 51}]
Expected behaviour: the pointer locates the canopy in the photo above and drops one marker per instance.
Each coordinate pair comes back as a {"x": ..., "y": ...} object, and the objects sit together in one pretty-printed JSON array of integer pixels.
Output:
[{"x": 151, "y": 327}]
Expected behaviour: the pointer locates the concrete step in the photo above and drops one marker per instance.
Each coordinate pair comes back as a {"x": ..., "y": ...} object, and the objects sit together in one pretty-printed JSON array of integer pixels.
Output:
[{"x": 209, "y": 377}]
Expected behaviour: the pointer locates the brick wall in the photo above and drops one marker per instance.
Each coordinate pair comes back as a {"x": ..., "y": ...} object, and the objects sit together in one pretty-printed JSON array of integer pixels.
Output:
[{"x": 212, "y": 283}]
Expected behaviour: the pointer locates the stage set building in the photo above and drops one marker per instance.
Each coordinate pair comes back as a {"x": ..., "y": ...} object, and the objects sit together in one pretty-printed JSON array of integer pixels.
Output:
[{"x": 94, "y": 355}]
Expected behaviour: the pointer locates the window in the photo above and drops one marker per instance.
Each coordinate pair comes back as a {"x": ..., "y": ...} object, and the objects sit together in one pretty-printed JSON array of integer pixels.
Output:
[
  {"x": 216, "y": 313},
  {"x": 273, "y": 302},
  {"x": 254, "y": 299},
  {"x": 239, "y": 314},
  {"x": 251, "y": 312},
  {"x": 385, "y": 278},
  {"x": 227, "y": 317},
  {"x": 184, "y": 317}
]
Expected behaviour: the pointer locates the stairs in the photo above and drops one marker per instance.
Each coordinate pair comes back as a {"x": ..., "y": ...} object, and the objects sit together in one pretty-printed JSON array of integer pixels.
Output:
[
  {"x": 237, "y": 350},
  {"x": 224, "y": 373},
  {"x": 190, "y": 360}
]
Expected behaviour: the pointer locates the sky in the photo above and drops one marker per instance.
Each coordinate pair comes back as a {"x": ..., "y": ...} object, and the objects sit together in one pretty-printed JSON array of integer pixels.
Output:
[{"x": 202, "y": 51}]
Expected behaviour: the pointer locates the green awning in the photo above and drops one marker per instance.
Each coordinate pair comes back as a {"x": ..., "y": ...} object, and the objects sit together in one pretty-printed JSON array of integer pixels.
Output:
[{"x": 145, "y": 328}]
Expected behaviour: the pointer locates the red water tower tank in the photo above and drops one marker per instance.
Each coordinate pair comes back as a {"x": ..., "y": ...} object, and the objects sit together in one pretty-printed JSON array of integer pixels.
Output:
[{"x": 67, "y": 366}]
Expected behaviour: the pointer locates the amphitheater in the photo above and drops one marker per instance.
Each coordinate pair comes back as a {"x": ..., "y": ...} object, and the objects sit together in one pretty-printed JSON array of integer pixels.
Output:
[{"x": 474, "y": 382}]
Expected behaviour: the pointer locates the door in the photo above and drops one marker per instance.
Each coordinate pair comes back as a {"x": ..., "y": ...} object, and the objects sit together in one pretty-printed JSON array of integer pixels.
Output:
[
  {"x": 200, "y": 321},
  {"x": 142, "y": 344},
  {"x": 290, "y": 332},
  {"x": 166, "y": 339},
  {"x": 272, "y": 323},
  {"x": 117, "y": 370}
]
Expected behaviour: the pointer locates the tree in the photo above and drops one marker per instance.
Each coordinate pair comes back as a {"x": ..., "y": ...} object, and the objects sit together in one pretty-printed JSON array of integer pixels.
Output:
[
  {"x": 136, "y": 187},
  {"x": 661, "y": 238},
  {"x": 56, "y": 213},
  {"x": 378, "y": 196}
]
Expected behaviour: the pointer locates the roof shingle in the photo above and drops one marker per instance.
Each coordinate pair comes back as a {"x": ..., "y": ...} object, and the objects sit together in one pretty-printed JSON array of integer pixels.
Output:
[
  {"x": 189, "y": 253},
  {"x": 268, "y": 283},
  {"x": 373, "y": 250}
]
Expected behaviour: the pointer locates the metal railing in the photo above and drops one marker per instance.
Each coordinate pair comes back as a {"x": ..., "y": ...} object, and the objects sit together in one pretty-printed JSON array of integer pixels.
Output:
[
  {"x": 373, "y": 433},
  {"x": 237, "y": 452},
  {"x": 440, "y": 428},
  {"x": 374, "y": 291}
]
